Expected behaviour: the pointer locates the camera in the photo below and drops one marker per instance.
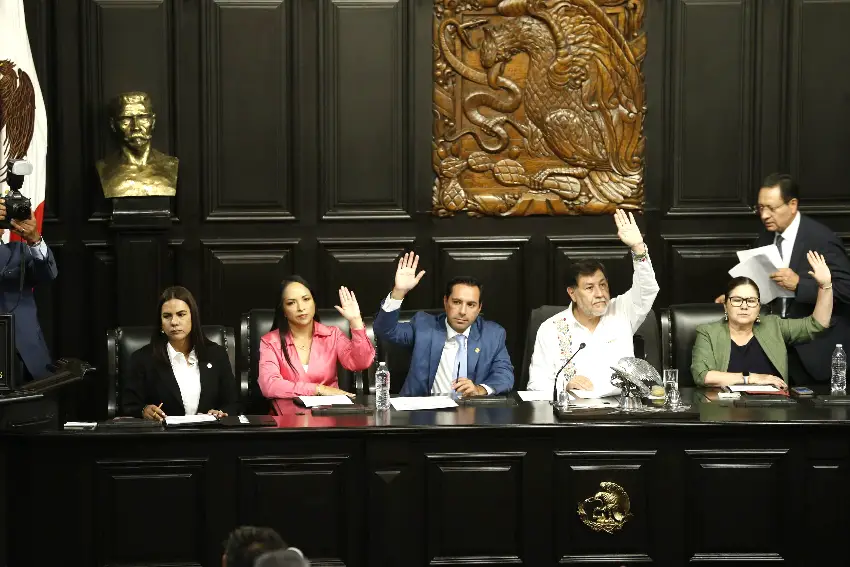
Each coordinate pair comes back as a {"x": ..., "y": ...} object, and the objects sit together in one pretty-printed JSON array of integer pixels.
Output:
[{"x": 18, "y": 207}]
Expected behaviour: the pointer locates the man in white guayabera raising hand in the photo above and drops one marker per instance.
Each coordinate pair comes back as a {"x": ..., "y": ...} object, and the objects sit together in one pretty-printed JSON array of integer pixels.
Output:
[{"x": 604, "y": 325}]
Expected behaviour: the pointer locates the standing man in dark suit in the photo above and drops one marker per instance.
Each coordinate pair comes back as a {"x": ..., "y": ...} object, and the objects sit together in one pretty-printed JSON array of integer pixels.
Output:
[
  {"x": 456, "y": 353},
  {"x": 23, "y": 265},
  {"x": 794, "y": 234}
]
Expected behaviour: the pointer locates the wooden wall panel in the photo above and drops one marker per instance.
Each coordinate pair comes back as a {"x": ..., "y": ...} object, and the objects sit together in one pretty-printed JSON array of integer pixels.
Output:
[
  {"x": 818, "y": 103},
  {"x": 712, "y": 84},
  {"x": 247, "y": 162},
  {"x": 698, "y": 266},
  {"x": 365, "y": 111}
]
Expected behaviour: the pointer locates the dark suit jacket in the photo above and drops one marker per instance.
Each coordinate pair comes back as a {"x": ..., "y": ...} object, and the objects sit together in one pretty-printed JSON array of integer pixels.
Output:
[
  {"x": 29, "y": 340},
  {"x": 488, "y": 361},
  {"x": 816, "y": 356},
  {"x": 152, "y": 382}
]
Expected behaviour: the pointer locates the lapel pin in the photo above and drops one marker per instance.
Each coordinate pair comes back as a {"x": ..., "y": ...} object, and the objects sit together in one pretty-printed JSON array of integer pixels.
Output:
[
  {"x": 209, "y": 364},
  {"x": 477, "y": 349}
]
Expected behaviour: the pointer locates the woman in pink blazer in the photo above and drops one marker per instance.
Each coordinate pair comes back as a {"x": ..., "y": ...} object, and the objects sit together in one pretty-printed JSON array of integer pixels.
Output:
[{"x": 307, "y": 366}]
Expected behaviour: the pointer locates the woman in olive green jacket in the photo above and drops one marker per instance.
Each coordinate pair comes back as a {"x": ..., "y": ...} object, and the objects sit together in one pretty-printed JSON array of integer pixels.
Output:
[{"x": 744, "y": 348}]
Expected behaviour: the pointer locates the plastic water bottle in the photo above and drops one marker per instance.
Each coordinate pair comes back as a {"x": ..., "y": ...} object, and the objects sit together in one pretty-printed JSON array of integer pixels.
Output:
[
  {"x": 382, "y": 386},
  {"x": 839, "y": 370}
]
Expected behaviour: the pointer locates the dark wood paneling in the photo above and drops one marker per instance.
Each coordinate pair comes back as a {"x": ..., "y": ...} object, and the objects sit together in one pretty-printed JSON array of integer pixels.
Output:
[
  {"x": 321, "y": 530},
  {"x": 174, "y": 487},
  {"x": 499, "y": 264},
  {"x": 365, "y": 114},
  {"x": 247, "y": 78},
  {"x": 131, "y": 46},
  {"x": 452, "y": 539},
  {"x": 698, "y": 266},
  {"x": 565, "y": 250},
  {"x": 748, "y": 525},
  {"x": 818, "y": 102},
  {"x": 242, "y": 275},
  {"x": 712, "y": 85},
  {"x": 365, "y": 266},
  {"x": 577, "y": 476}
]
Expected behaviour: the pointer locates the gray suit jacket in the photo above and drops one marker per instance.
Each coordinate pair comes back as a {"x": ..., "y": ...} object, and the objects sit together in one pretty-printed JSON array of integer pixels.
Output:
[{"x": 29, "y": 340}]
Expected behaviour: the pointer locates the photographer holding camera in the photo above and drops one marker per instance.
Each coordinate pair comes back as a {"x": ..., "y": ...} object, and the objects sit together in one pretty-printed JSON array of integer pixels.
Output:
[{"x": 23, "y": 265}]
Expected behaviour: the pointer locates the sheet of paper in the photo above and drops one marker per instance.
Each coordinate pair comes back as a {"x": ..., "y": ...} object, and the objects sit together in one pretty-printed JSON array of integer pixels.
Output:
[
  {"x": 753, "y": 388},
  {"x": 313, "y": 401},
  {"x": 596, "y": 393},
  {"x": 80, "y": 424},
  {"x": 422, "y": 403},
  {"x": 770, "y": 251},
  {"x": 595, "y": 403},
  {"x": 758, "y": 268},
  {"x": 189, "y": 419},
  {"x": 535, "y": 396}
]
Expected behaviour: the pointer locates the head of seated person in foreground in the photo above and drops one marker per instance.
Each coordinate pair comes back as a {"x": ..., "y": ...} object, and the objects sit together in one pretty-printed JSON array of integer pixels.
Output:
[
  {"x": 290, "y": 557},
  {"x": 180, "y": 372},
  {"x": 746, "y": 347},
  {"x": 246, "y": 543},
  {"x": 299, "y": 355}
]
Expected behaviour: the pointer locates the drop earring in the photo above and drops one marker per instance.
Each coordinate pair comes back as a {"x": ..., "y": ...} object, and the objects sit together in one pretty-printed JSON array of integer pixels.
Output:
[
  {"x": 725, "y": 316},
  {"x": 758, "y": 318}
]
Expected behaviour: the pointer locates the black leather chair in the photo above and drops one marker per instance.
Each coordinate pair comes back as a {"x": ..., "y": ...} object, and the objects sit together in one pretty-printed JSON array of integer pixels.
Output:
[
  {"x": 257, "y": 323},
  {"x": 647, "y": 339},
  {"x": 122, "y": 342},
  {"x": 396, "y": 356},
  {"x": 679, "y": 331}
]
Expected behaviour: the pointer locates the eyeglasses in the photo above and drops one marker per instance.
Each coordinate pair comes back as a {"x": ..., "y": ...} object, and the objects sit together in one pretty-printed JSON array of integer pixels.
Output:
[
  {"x": 758, "y": 209},
  {"x": 738, "y": 301}
]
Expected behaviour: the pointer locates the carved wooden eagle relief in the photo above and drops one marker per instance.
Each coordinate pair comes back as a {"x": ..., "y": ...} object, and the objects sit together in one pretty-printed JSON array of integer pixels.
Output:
[
  {"x": 17, "y": 113},
  {"x": 538, "y": 106}
]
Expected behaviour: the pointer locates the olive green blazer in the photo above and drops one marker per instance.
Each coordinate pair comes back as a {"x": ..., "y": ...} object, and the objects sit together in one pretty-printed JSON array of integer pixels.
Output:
[{"x": 713, "y": 343}]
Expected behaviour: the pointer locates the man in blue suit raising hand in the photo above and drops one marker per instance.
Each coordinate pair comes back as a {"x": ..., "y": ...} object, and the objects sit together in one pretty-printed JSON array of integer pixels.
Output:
[{"x": 457, "y": 353}]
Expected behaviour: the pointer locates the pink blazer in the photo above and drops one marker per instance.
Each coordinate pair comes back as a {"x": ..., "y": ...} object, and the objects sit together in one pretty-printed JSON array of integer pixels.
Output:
[{"x": 278, "y": 380}]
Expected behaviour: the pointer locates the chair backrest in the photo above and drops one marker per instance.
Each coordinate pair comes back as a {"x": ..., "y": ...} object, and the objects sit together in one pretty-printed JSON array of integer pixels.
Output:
[
  {"x": 646, "y": 339},
  {"x": 679, "y": 330},
  {"x": 396, "y": 356},
  {"x": 122, "y": 342},
  {"x": 258, "y": 322}
]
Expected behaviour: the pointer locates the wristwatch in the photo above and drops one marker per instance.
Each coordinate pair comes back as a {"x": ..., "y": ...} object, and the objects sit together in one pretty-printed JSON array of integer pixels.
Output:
[{"x": 746, "y": 376}]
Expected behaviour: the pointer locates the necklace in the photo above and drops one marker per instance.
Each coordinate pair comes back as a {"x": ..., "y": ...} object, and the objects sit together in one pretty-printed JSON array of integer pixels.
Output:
[{"x": 304, "y": 347}]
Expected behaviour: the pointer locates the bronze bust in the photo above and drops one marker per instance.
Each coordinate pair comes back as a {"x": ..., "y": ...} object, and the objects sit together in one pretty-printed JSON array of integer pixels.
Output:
[{"x": 136, "y": 170}]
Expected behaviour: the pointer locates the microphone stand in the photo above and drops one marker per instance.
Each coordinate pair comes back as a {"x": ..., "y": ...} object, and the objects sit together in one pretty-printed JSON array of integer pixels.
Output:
[{"x": 557, "y": 374}]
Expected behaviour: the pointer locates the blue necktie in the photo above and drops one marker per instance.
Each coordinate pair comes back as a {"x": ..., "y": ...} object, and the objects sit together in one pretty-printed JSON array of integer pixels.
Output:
[{"x": 460, "y": 360}]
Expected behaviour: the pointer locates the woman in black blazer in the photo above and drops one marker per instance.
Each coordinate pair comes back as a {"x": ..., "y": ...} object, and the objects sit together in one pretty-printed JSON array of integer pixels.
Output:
[{"x": 180, "y": 371}]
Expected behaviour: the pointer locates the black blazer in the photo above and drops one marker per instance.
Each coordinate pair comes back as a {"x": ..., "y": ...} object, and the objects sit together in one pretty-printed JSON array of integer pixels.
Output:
[
  {"x": 816, "y": 355},
  {"x": 152, "y": 382}
]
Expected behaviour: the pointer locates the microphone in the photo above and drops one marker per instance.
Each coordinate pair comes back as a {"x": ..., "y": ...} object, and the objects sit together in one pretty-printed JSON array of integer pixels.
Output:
[{"x": 555, "y": 385}]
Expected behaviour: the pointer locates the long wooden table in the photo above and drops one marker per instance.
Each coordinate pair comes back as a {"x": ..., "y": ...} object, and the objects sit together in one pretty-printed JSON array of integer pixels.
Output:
[{"x": 474, "y": 485}]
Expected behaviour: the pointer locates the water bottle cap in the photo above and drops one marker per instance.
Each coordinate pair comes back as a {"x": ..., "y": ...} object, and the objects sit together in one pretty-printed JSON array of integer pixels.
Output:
[
  {"x": 382, "y": 364},
  {"x": 838, "y": 345}
]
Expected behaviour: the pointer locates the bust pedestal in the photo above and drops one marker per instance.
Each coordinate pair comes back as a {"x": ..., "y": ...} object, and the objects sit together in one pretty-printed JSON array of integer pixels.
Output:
[{"x": 140, "y": 228}]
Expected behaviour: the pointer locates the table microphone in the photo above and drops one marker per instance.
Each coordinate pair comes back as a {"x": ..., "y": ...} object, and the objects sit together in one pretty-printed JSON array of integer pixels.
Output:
[{"x": 555, "y": 385}]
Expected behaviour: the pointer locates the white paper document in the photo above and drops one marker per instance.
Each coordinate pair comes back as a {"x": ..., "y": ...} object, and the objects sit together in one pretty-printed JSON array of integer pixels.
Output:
[
  {"x": 770, "y": 251},
  {"x": 758, "y": 268},
  {"x": 189, "y": 419},
  {"x": 753, "y": 388},
  {"x": 535, "y": 396},
  {"x": 595, "y": 403},
  {"x": 80, "y": 424},
  {"x": 422, "y": 403},
  {"x": 606, "y": 392},
  {"x": 313, "y": 401}
]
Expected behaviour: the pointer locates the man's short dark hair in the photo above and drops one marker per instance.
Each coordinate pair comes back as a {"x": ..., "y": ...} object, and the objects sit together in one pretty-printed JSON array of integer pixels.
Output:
[
  {"x": 246, "y": 543},
  {"x": 787, "y": 186},
  {"x": 583, "y": 268},
  {"x": 464, "y": 280}
]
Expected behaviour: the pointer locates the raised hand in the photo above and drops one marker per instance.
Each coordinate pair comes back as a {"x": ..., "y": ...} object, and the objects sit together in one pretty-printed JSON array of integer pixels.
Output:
[
  {"x": 406, "y": 277},
  {"x": 820, "y": 271},
  {"x": 349, "y": 308},
  {"x": 628, "y": 231}
]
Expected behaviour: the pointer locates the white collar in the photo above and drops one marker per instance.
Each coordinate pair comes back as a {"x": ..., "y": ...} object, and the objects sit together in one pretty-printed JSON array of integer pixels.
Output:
[
  {"x": 451, "y": 333},
  {"x": 790, "y": 233},
  {"x": 572, "y": 321},
  {"x": 175, "y": 356}
]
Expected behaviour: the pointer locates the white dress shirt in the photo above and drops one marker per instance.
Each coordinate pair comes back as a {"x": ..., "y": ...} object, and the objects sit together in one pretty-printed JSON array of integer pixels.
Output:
[
  {"x": 39, "y": 251},
  {"x": 188, "y": 376},
  {"x": 560, "y": 335},
  {"x": 789, "y": 236},
  {"x": 448, "y": 358}
]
